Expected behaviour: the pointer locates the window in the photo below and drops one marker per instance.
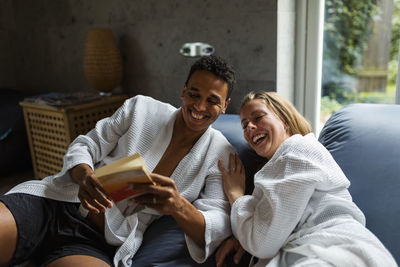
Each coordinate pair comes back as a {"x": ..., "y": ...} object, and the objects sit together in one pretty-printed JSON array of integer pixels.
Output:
[{"x": 360, "y": 53}]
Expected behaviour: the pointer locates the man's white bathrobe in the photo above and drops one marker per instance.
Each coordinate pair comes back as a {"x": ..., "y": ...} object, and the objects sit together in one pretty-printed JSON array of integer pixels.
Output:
[
  {"x": 301, "y": 213},
  {"x": 145, "y": 125}
]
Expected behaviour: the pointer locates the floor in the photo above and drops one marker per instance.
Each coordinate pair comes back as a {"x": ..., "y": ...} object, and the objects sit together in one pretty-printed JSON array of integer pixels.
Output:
[{"x": 8, "y": 181}]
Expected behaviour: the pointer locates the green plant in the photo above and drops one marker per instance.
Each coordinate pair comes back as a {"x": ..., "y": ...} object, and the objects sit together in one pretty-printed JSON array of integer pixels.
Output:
[
  {"x": 395, "y": 43},
  {"x": 329, "y": 105},
  {"x": 375, "y": 97},
  {"x": 347, "y": 27},
  {"x": 334, "y": 90}
]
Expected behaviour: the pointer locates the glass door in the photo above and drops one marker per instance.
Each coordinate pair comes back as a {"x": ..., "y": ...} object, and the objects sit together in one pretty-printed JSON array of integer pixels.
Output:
[{"x": 360, "y": 53}]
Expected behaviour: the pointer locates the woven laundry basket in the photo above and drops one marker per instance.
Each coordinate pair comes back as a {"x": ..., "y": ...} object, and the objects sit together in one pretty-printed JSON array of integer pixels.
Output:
[{"x": 51, "y": 129}]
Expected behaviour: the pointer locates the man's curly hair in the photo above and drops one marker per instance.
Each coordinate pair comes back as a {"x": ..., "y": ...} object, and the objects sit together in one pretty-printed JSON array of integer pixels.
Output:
[{"x": 216, "y": 66}]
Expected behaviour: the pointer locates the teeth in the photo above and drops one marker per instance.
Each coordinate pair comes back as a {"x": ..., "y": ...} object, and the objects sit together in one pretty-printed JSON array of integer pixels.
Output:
[
  {"x": 258, "y": 137},
  {"x": 197, "y": 116}
]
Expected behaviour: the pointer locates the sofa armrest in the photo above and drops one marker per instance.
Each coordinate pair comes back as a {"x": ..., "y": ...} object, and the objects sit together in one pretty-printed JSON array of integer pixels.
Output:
[{"x": 364, "y": 139}]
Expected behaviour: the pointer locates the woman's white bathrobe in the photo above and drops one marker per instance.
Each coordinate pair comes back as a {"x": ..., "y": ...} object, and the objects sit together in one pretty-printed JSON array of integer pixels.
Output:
[
  {"x": 301, "y": 213},
  {"x": 145, "y": 125}
]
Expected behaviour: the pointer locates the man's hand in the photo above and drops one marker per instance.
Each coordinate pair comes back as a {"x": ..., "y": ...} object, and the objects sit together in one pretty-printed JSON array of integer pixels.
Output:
[
  {"x": 91, "y": 192},
  {"x": 228, "y": 246},
  {"x": 163, "y": 196}
]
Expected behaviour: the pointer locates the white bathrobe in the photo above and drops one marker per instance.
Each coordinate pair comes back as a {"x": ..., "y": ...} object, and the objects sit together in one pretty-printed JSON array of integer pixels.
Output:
[
  {"x": 301, "y": 213},
  {"x": 145, "y": 125}
]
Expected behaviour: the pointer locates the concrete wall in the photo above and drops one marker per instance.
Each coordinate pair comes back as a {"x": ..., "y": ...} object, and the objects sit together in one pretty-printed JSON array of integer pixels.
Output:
[
  {"x": 7, "y": 51},
  {"x": 41, "y": 43}
]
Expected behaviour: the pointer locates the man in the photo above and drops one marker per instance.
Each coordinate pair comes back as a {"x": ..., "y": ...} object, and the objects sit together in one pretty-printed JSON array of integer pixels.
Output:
[{"x": 43, "y": 220}]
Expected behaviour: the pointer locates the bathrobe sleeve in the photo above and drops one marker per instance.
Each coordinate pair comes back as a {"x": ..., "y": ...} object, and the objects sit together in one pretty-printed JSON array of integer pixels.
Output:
[
  {"x": 101, "y": 140},
  {"x": 211, "y": 201}
]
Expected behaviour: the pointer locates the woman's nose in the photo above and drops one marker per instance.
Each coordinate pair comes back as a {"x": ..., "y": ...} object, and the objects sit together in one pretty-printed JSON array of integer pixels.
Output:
[{"x": 251, "y": 125}]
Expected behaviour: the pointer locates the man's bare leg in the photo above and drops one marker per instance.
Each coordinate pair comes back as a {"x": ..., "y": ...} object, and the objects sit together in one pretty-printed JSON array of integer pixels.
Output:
[
  {"x": 78, "y": 261},
  {"x": 8, "y": 235}
]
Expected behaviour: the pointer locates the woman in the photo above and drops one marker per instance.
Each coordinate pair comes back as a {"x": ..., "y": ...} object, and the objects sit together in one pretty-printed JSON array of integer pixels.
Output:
[{"x": 300, "y": 212}]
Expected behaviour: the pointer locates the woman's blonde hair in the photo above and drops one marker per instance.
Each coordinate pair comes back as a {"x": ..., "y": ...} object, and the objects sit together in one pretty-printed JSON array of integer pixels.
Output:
[{"x": 286, "y": 112}]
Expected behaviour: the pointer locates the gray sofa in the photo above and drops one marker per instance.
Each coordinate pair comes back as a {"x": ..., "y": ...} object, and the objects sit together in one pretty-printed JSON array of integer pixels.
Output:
[{"x": 364, "y": 139}]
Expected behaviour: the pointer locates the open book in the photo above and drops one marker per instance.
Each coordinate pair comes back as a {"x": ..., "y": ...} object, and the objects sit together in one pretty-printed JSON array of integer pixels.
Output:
[{"x": 116, "y": 176}]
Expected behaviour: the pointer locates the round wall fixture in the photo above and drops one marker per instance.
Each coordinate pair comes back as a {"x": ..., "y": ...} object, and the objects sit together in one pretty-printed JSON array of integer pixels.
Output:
[{"x": 196, "y": 49}]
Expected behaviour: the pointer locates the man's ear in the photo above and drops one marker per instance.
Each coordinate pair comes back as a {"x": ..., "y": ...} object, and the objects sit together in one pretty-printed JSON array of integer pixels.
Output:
[
  {"x": 226, "y": 105},
  {"x": 183, "y": 91}
]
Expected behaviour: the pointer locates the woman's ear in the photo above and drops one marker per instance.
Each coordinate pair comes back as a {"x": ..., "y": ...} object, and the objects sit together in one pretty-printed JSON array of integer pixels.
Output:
[{"x": 287, "y": 129}]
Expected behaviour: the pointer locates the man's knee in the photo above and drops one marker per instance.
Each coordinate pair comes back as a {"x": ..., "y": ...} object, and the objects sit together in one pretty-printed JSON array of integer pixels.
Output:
[{"x": 8, "y": 234}]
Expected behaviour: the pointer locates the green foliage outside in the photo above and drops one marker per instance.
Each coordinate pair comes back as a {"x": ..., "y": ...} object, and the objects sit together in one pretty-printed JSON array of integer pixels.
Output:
[
  {"x": 346, "y": 30},
  {"x": 395, "y": 42},
  {"x": 329, "y": 106},
  {"x": 346, "y": 33}
]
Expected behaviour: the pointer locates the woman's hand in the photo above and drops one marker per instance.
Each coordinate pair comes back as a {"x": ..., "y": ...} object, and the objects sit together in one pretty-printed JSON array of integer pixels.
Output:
[
  {"x": 234, "y": 179},
  {"x": 230, "y": 245},
  {"x": 91, "y": 192}
]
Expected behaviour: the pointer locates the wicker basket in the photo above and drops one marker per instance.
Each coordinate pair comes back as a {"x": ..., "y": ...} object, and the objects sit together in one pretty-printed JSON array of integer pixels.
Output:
[{"x": 50, "y": 130}]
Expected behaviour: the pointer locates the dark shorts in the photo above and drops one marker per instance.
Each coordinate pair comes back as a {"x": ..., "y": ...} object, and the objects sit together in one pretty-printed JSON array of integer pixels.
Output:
[
  {"x": 50, "y": 229},
  {"x": 164, "y": 245}
]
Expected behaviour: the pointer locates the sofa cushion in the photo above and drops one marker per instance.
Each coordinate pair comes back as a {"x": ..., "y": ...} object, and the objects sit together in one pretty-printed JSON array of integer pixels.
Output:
[
  {"x": 364, "y": 139},
  {"x": 164, "y": 245}
]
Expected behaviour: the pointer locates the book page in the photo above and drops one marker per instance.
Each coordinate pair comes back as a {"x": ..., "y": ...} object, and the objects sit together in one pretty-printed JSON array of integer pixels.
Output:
[{"x": 116, "y": 176}]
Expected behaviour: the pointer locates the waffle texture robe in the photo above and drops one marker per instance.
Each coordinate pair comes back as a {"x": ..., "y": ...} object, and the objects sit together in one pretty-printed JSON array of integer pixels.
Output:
[
  {"x": 145, "y": 125},
  {"x": 301, "y": 213}
]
